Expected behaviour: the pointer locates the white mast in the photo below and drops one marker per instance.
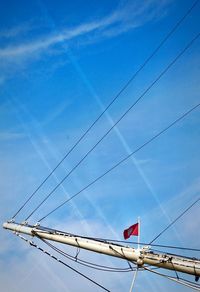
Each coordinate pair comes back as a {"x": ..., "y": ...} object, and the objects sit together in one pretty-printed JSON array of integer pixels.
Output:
[
  {"x": 138, "y": 245},
  {"x": 140, "y": 256}
]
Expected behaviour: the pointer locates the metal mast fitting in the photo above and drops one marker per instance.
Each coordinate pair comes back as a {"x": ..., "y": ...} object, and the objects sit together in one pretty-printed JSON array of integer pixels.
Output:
[{"x": 140, "y": 256}]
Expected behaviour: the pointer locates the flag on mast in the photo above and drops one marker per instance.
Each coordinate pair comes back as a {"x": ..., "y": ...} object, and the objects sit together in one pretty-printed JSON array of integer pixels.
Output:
[{"x": 132, "y": 230}]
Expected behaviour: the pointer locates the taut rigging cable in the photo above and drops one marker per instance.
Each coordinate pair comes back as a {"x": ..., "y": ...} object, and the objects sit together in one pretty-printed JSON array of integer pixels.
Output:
[
  {"x": 107, "y": 240},
  {"x": 112, "y": 101},
  {"x": 178, "y": 280},
  {"x": 121, "y": 161},
  {"x": 176, "y": 219},
  {"x": 143, "y": 243},
  {"x": 123, "y": 115}
]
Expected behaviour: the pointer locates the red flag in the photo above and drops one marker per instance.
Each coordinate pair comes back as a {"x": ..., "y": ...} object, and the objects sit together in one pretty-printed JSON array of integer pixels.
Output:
[{"x": 132, "y": 230}]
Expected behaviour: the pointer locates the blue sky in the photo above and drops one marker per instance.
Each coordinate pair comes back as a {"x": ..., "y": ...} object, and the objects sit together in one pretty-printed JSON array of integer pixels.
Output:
[{"x": 61, "y": 64}]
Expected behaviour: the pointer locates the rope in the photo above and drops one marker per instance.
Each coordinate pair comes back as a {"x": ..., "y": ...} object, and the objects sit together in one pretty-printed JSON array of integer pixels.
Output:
[
  {"x": 86, "y": 263},
  {"x": 60, "y": 261}
]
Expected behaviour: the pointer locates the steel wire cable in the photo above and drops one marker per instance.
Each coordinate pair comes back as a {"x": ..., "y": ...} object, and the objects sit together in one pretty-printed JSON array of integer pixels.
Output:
[
  {"x": 176, "y": 219},
  {"x": 147, "y": 244},
  {"x": 114, "y": 125},
  {"x": 123, "y": 160},
  {"x": 112, "y": 101},
  {"x": 178, "y": 280},
  {"x": 111, "y": 240}
]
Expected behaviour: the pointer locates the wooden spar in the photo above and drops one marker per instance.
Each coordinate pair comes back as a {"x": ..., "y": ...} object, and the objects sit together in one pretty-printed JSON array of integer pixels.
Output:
[{"x": 140, "y": 256}]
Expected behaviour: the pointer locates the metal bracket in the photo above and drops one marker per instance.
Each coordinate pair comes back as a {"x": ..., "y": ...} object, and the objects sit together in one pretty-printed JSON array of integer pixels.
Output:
[
  {"x": 24, "y": 223},
  {"x": 12, "y": 220}
]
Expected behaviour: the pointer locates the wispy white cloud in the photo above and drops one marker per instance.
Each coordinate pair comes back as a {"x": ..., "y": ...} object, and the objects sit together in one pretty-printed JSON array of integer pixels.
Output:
[
  {"x": 126, "y": 17},
  {"x": 19, "y": 48},
  {"x": 16, "y": 31},
  {"x": 6, "y": 136},
  {"x": 56, "y": 113},
  {"x": 2, "y": 80}
]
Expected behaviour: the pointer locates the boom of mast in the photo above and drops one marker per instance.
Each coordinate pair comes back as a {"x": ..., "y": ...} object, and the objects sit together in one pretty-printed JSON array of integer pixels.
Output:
[{"x": 139, "y": 256}]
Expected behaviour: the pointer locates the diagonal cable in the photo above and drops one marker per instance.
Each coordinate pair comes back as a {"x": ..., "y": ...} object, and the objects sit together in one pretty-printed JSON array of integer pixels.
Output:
[
  {"x": 123, "y": 160},
  {"x": 112, "y": 101},
  {"x": 176, "y": 219},
  {"x": 31, "y": 243},
  {"x": 116, "y": 123}
]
